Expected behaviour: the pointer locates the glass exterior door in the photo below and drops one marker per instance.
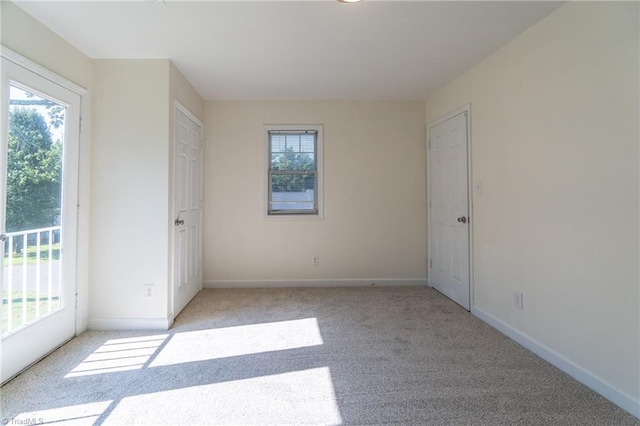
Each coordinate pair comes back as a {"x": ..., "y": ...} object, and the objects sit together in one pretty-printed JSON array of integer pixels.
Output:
[{"x": 38, "y": 218}]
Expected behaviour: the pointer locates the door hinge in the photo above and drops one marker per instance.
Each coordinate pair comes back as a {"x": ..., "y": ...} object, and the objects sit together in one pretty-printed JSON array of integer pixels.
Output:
[
  {"x": 76, "y": 300},
  {"x": 80, "y": 125},
  {"x": 429, "y": 143},
  {"x": 429, "y": 202},
  {"x": 430, "y": 263}
]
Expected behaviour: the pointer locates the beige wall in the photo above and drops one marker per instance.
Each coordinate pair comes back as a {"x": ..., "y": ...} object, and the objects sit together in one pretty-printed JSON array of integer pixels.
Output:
[
  {"x": 374, "y": 194},
  {"x": 129, "y": 185},
  {"x": 26, "y": 36},
  {"x": 23, "y": 34},
  {"x": 132, "y": 190},
  {"x": 555, "y": 142},
  {"x": 181, "y": 90}
]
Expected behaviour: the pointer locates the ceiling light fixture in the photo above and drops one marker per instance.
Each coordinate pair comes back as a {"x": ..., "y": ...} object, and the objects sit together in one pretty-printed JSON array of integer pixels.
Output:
[{"x": 349, "y": 1}]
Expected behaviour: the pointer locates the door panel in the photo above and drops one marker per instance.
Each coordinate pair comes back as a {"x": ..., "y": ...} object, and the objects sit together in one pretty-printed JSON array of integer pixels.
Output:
[
  {"x": 449, "y": 209},
  {"x": 188, "y": 211},
  {"x": 38, "y": 216}
]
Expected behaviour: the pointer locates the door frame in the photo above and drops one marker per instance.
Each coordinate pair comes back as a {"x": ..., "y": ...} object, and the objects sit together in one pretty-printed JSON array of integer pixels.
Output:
[
  {"x": 81, "y": 272},
  {"x": 178, "y": 106},
  {"x": 463, "y": 109}
]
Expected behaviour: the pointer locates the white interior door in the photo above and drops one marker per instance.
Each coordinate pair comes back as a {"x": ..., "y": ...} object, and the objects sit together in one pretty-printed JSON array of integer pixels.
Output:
[
  {"x": 39, "y": 144},
  {"x": 187, "y": 245},
  {"x": 449, "y": 209}
]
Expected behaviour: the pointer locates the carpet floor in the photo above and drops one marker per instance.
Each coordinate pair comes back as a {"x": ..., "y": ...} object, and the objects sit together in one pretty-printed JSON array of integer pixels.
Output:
[{"x": 305, "y": 356}]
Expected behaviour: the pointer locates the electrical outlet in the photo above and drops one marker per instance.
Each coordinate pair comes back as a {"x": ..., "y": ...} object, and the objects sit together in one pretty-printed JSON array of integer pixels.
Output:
[
  {"x": 477, "y": 187},
  {"x": 315, "y": 261},
  {"x": 148, "y": 290},
  {"x": 518, "y": 302}
]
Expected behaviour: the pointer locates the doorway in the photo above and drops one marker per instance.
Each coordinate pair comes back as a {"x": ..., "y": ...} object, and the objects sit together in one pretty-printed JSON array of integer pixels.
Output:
[
  {"x": 449, "y": 207},
  {"x": 39, "y": 142}
]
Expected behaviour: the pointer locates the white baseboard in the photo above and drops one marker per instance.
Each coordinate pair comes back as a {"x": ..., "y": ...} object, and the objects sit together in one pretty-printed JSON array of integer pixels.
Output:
[
  {"x": 130, "y": 324},
  {"x": 585, "y": 377},
  {"x": 357, "y": 282}
]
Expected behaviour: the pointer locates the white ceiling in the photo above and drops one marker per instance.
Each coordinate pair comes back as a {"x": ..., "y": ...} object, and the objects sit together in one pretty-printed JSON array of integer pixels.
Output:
[{"x": 298, "y": 49}]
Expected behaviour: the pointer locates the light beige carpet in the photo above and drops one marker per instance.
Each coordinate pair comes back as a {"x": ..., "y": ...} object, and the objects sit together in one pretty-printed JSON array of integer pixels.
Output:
[{"x": 305, "y": 356}]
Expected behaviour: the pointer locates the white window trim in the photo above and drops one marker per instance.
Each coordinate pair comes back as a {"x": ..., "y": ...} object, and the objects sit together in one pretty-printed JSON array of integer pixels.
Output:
[{"x": 319, "y": 128}]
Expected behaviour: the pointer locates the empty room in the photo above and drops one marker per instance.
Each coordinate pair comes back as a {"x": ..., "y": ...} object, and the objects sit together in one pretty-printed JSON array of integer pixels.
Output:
[{"x": 320, "y": 212}]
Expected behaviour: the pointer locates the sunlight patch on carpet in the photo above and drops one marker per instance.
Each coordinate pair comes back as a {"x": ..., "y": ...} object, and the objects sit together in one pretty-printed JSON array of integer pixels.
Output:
[
  {"x": 119, "y": 355},
  {"x": 77, "y": 415},
  {"x": 299, "y": 397},
  {"x": 226, "y": 342}
]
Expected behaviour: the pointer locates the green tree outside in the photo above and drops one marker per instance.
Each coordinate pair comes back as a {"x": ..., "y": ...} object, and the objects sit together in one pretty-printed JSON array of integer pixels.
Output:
[
  {"x": 34, "y": 171},
  {"x": 292, "y": 160}
]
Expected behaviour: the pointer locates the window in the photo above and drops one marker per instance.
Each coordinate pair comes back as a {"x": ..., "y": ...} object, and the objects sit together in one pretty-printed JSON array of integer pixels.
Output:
[{"x": 294, "y": 169}]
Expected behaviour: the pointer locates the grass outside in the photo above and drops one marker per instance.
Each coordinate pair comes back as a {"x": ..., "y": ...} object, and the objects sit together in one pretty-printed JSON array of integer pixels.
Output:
[
  {"x": 32, "y": 255},
  {"x": 17, "y": 318}
]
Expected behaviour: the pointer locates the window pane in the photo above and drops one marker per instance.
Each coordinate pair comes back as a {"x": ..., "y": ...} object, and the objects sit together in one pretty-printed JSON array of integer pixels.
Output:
[
  {"x": 293, "y": 143},
  {"x": 307, "y": 143},
  {"x": 291, "y": 160},
  {"x": 277, "y": 143},
  {"x": 293, "y": 183},
  {"x": 277, "y": 160},
  {"x": 307, "y": 162},
  {"x": 34, "y": 164},
  {"x": 293, "y": 192},
  {"x": 34, "y": 161}
]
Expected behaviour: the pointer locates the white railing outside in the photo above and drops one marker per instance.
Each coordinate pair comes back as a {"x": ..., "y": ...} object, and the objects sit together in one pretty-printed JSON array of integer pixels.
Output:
[{"x": 40, "y": 277}]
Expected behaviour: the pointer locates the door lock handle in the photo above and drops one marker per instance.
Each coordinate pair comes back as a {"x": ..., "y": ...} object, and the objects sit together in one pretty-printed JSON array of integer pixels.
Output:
[
  {"x": 462, "y": 219},
  {"x": 179, "y": 222},
  {"x": 3, "y": 237}
]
